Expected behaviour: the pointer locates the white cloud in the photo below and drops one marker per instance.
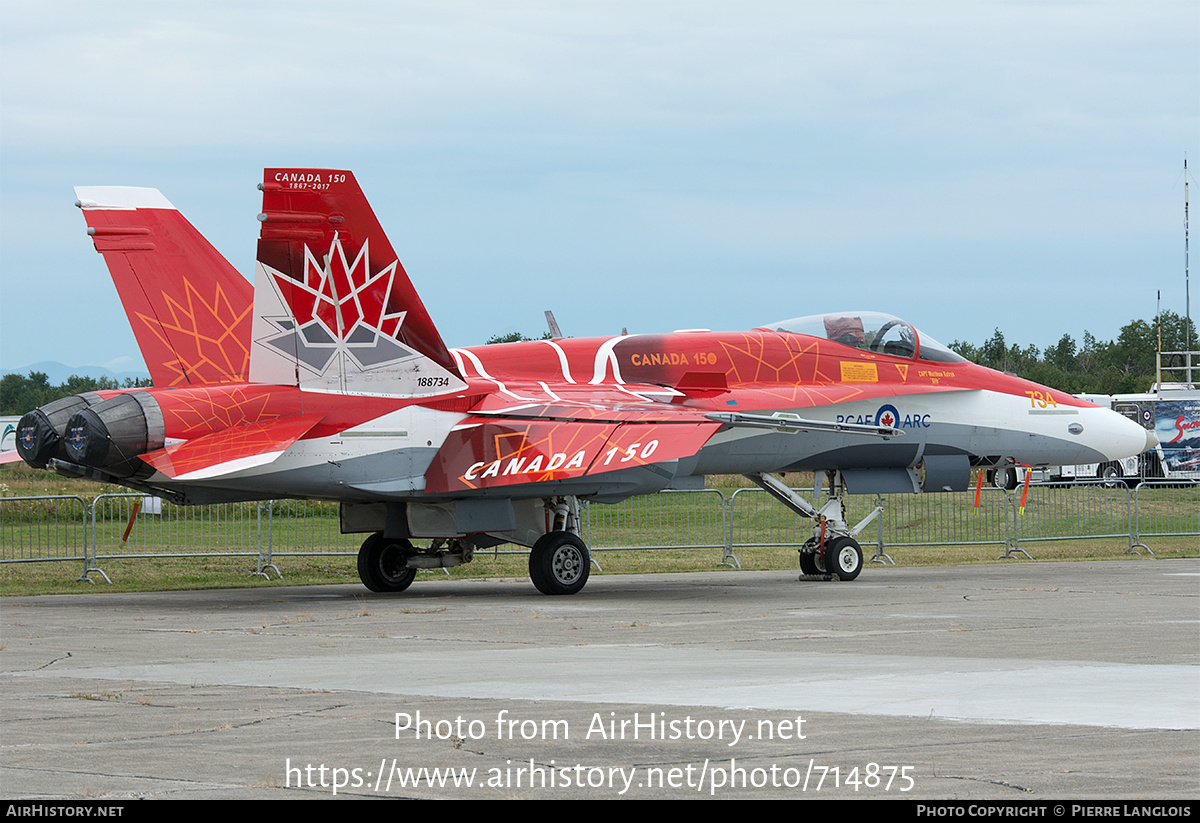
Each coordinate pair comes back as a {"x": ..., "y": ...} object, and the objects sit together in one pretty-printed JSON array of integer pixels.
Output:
[{"x": 529, "y": 138}]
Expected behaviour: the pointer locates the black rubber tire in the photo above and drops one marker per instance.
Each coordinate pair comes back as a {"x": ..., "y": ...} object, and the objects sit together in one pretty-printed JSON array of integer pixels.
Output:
[
  {"x": 843, "y": 557},
  {"x": 1005, "y": 478},
  {"x": 1110, "y": 473},
  {"x": 818, "y": 561},
  {"x": 559, "y": 563},
  {"x": 381, "y": 564},
  {"x": 1149, "y": 466},
  {"x": 808, "y": 563}
]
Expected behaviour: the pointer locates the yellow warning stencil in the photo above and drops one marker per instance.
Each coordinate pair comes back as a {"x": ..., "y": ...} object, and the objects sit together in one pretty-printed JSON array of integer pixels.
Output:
[{"x": 859, "y": 373}]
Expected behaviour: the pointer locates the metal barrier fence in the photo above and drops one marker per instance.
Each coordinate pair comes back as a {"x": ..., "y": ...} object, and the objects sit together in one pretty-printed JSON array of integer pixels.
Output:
[
  {"x": 51, "y": 527},
  {"x": 1162, "y": 509},
  {"x": 671, "y": 519},
  {"x": 667, "y": 520},
  {"x": 68, "y": 528},
  {"x": 130, "y": 525}
]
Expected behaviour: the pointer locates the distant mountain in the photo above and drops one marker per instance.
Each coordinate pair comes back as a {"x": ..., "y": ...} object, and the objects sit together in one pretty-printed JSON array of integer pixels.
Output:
[{"x": 57, "y": 373}]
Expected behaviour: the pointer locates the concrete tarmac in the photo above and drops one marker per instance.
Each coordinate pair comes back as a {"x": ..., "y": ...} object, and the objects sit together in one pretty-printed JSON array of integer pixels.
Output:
[{"x": 1022, "y": 681}]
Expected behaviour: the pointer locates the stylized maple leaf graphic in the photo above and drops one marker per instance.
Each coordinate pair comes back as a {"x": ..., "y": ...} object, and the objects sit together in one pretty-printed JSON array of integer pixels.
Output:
[
  {"x": 206, "y": 335},
  {"x": 193, "y": 414},
  {"x": 340, "y": 307}
]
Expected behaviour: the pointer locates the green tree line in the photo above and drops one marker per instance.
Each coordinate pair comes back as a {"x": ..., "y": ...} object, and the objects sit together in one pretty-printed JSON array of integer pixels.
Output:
[
  {"x": 1120, "y": 366},
  {"x": 21, "y": 393}
]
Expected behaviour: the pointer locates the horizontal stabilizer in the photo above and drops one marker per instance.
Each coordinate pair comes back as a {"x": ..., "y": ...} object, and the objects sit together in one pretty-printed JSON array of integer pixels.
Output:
[{"x": 231, "y": 450}]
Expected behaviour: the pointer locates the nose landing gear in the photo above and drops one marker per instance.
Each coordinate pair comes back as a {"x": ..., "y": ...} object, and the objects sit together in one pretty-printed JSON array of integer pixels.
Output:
[{"x": 832, "y": 550}]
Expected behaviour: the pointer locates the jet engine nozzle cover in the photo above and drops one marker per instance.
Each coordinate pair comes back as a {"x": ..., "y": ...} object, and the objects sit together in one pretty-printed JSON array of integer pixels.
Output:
[
  {"x": 110, "y": 435},
  {"x": 40, "y": 432}
]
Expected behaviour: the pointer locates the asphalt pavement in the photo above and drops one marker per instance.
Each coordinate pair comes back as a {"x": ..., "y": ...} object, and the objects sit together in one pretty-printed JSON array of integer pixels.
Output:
[{"x": 1021, "y": 681}]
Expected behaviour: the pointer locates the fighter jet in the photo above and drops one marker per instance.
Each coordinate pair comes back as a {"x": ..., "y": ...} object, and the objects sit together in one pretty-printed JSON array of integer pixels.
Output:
[{"x": 342, "y": 389}]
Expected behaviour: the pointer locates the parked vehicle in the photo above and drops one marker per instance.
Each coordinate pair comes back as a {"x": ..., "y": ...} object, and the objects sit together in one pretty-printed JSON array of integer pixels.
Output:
[{"x": 1172, "y": 410}]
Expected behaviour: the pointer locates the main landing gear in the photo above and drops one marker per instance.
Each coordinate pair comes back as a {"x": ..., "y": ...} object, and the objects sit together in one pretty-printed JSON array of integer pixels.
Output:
[
  {"x": 388, "y": 564},
  {"x": 832, "y": 550},
  {"x": 559, "y": 562},
  {"x": 383, "y": 564}
]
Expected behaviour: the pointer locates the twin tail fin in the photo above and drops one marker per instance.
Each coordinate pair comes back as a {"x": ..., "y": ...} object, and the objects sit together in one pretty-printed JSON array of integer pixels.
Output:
[{"x": 334, "y": 309}]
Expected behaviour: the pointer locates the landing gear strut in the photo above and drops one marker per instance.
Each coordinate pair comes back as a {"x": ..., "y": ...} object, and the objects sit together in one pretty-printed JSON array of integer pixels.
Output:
[{"x": 832, "y": 550}]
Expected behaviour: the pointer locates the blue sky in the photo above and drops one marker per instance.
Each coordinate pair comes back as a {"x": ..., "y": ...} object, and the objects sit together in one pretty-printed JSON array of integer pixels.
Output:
[{"x": 653, "y": 165}]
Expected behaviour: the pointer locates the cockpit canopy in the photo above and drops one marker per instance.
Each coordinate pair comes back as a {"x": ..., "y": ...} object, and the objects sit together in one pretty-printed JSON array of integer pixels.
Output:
[{"x": 870, "y": 331}]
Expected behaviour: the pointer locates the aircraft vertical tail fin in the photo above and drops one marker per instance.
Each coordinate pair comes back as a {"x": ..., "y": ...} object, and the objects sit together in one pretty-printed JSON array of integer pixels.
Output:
[
  {"x": 334, "y": 309},
  {"x": 189, "y": 308}
]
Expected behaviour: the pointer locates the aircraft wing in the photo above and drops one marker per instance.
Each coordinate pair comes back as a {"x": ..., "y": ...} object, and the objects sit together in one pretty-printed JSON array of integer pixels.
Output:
[
  {"x": 530, "y": 433},
  {"x": 488, "y": 452},
  {"x": 534, "y": 433}
]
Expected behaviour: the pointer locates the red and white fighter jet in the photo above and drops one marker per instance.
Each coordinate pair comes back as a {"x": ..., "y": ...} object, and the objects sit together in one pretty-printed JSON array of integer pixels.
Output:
[{"x": 333, "y": 383}]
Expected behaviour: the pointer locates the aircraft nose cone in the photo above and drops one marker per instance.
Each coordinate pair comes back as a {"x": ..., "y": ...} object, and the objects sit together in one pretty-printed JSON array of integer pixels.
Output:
[
  {"x": 1151, "y": 439},
  {"x": 1115, "y": 436}
]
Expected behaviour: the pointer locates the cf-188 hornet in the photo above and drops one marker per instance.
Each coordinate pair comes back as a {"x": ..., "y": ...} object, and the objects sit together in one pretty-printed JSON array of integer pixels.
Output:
[{"x": 331, "y": 382}]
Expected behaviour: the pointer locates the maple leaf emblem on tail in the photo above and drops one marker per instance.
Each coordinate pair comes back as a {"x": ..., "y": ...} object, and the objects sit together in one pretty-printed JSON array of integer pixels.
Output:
[
  {"x": 339, "y": 327},
  {"x": 339, "y": 310}
]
